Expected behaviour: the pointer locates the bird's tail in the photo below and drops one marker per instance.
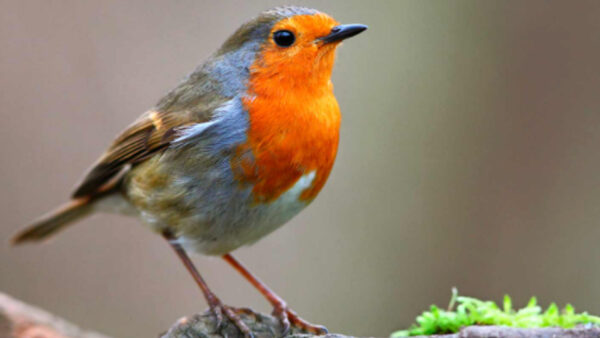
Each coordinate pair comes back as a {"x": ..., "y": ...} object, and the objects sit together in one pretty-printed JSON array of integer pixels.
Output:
[{"x": 54, "y": 221}]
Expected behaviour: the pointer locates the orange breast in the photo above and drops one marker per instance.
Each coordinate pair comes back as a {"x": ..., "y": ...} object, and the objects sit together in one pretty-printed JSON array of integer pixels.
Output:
[{"x": 293, "y": 130}]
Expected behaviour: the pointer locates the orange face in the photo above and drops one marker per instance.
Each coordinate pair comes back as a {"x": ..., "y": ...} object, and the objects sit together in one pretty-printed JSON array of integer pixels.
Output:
[
  {"x": 308, "y": 60},
  {"x": 294, "y": 118}
]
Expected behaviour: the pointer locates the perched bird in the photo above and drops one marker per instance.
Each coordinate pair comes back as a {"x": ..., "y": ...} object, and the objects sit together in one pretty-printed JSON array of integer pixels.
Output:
[{"x": 238, "y": 148}]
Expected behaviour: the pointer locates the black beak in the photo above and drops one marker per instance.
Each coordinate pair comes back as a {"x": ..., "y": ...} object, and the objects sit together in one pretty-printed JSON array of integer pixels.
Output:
[{"x": 341, "y": 32}]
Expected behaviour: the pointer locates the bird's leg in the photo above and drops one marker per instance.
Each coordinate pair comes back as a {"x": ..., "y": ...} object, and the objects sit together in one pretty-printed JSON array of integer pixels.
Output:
[
  {"x": 217, "y": 308},
  {"x": 285, "y": 315}
]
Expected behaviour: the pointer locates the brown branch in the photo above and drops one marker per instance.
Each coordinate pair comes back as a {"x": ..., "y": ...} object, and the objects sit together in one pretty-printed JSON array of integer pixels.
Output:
[
  {"x": 262, "y": 326},
  {"x": 19, "y": 320}
]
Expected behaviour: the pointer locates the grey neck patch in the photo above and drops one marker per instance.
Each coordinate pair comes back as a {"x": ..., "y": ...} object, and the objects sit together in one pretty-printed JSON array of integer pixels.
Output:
[
  {"x": 230, "y": 66},
  {"x": 226, "y": 72},
  {"x": 231, "y": 70}
]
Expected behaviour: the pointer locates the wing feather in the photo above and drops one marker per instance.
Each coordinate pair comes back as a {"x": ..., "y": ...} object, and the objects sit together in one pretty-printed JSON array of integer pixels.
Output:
[
  {"x": 191, "y": 102},
  {"x": 151, "y": 133}
]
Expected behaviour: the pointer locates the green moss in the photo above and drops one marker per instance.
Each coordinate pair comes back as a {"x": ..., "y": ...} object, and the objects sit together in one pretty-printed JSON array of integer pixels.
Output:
[{"x": 472, "y": 311}]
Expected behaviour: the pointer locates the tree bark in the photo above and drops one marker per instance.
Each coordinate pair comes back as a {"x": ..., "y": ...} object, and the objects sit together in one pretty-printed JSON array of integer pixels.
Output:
[
  {"x": 19, "y": 320},
  {"x": 262, "y": 326}
]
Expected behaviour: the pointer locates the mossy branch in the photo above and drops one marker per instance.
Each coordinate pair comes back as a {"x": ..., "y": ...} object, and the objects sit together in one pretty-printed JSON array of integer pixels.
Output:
[{"x": 19, "y": 320}]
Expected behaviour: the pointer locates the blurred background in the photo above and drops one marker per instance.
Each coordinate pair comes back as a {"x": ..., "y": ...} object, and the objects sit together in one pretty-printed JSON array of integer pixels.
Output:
[{"x": 469, "y": 157}]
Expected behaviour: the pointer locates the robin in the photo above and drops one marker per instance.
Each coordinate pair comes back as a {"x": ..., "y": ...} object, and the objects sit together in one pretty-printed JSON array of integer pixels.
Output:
[{"x": 238, "y": 148}]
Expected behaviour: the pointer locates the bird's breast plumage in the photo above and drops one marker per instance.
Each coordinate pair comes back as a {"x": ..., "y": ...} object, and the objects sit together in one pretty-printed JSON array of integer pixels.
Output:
[
  {"x": 230, "y": 181},
  {"x": 287, "y": 139},
  {"x": 261, "y": 157},
  {"x": 293, "y": 127}
]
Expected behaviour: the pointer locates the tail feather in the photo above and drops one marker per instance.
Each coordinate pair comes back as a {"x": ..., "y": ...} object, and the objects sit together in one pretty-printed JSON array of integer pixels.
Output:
[{"x": 54, "y": 221}]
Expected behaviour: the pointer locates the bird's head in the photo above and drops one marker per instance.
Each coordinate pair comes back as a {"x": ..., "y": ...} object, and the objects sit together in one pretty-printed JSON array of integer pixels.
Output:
[{"x": 291, "y": 45}]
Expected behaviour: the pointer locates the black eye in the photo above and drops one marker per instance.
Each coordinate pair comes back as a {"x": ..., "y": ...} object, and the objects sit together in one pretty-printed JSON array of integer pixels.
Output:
[{"x": 284, "y": 38}]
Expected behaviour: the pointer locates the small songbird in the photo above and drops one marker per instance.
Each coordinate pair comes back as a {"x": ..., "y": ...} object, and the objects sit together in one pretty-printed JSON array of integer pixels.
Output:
[{"x": 238, "y": 148}]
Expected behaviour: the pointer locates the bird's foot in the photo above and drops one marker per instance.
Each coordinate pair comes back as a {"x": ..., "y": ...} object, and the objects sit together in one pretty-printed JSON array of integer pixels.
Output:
[
  {"x": 220, "y": 311},
  {"x": 289, "y": 318}
]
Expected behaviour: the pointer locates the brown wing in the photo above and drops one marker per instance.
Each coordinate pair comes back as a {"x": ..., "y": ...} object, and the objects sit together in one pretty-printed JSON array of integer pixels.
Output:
[{"x": 151, "y": 133}]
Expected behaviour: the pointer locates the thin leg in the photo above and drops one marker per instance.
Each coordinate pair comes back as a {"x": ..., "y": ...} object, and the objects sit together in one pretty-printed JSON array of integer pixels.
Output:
[
  {"x": 217, "y": 308},
  {"x": 280, "y": 309}
]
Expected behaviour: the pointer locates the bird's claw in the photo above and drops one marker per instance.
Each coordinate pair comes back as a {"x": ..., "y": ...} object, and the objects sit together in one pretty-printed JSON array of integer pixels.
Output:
[
  {"x": 219, "y": 310},
  {"x": 289, "y": 318},
  {"x": 280, "y": 312}
]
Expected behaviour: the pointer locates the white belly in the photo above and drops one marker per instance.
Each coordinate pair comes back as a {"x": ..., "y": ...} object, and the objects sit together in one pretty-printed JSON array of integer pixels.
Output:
[{"x": 248, "y": 223}]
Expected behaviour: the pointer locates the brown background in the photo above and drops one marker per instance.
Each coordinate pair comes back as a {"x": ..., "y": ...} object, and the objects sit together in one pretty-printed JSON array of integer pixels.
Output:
[{"x": 469, "y": 157}]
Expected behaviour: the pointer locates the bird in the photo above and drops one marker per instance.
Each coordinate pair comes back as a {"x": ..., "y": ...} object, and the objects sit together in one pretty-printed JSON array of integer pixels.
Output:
[{"x": 234, "y": 151}]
